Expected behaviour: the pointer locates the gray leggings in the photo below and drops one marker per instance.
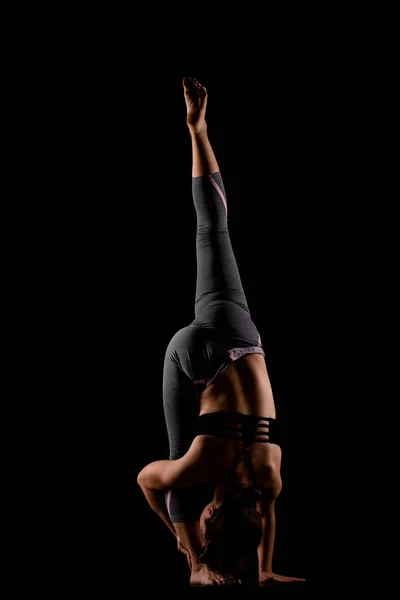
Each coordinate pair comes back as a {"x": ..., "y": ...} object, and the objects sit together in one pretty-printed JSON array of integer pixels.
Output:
[{"x": 221, "y": 332}]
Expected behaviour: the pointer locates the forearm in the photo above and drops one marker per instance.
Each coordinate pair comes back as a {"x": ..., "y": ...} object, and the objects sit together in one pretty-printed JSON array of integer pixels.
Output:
[
  {"x": 155, "y": 498},
  {"x": 204, "y": 161},
  {"x": 266, "y": 548},
  {"x": 190, "y": 536}
]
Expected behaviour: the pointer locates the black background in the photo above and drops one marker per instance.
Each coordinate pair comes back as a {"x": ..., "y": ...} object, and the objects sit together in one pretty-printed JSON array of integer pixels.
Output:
[{"x": 285, "y": 123}]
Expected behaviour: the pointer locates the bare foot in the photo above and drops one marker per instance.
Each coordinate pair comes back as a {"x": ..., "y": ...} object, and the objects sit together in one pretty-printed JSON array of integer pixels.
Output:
[
  {"x": 204, "y": 576},
  {"x": 196, "y": 104}
]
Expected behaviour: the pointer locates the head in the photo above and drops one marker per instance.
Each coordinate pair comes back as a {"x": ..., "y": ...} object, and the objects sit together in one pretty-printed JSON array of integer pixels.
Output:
[{"x": 231, "y": 529}]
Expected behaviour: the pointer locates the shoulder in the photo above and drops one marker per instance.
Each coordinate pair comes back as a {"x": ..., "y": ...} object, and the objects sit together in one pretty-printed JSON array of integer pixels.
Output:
[{"x": 206, "y": 461}]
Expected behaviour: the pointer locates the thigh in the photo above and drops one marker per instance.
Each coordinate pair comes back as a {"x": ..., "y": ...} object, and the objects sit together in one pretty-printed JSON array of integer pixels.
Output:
[
  {"x": 217, "y": 271},
  {"x": 218, "y": 276},
  {"x": 180, "y": 395}
]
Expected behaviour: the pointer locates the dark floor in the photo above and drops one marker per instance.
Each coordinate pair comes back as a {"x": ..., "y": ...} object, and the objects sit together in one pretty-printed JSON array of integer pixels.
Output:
[
  {"x": 176, "y": 578},
  {"x": 302, "y": 590}
]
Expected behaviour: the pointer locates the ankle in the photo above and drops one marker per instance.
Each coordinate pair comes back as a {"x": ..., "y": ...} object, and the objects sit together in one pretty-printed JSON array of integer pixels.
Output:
[
  {"x": 198, "y": 130},
  {"x": 198, "y": 566}
]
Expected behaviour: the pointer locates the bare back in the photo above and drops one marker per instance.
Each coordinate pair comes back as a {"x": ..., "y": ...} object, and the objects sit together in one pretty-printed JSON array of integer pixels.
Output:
[{"x": 243, "y": 387}]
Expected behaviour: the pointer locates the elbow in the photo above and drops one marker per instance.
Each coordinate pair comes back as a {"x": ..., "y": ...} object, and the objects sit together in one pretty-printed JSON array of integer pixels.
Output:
[
  {"x": 277, "y": 486},
  {"x": 150, "y": 477},
  {"x": 140, "y": 479},
  {"x": 147, "y": 479},
  {"x": 272, "y": 480},
  {"x": 276, "y": 483},
  {"x": 271, "y": 474}
]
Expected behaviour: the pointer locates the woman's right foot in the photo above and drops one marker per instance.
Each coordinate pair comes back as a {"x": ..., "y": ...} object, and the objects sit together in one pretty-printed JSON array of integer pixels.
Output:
[{"x": 196, "y": 103}]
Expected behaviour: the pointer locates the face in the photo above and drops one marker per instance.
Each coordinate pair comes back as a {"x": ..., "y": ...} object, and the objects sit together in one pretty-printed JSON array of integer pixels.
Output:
[{"x": 207, "y": 512}]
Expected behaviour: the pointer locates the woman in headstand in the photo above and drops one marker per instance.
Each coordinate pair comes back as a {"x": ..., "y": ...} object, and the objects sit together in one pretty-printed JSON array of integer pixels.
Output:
[{"x": 216, "y": 493}]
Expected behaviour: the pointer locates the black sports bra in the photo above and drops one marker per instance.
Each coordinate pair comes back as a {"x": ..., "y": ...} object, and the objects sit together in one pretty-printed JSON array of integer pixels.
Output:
[{"x": 238, "y": 426}]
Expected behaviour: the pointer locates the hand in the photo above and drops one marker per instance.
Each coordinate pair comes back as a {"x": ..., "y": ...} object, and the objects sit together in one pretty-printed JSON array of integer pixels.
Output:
[
  {"x": 268, "y": 578},
  {"x": 202, "y": 575},
  {"x": 184, "y": 551}
]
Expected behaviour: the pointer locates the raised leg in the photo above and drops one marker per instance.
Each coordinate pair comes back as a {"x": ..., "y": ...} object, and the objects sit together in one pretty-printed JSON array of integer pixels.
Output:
[{"x": 218, "y": 275}]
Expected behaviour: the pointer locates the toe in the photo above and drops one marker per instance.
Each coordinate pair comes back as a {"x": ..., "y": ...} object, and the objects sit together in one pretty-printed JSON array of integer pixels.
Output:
[{"x": 187, "y": 82}]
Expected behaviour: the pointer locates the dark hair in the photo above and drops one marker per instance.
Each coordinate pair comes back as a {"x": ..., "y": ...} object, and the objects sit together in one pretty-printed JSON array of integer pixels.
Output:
[{"x": 233, "y": 531}]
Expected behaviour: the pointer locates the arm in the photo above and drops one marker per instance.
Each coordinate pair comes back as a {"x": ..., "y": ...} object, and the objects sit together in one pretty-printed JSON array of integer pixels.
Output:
[
  {"x": 188, "y": 533},
  {"x": 198, "y": 465},
  {"x": 155, "y": 498},
  {"x": 163, "y": 475},
  {"x": 266, "y": 548},
  {"x": 153, "y": 480},
  {"x": 267, "y": 510}
]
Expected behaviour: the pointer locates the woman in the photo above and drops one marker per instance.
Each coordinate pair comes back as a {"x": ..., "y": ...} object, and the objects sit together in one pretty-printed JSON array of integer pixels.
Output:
[{"x": 218, "y": 402}]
